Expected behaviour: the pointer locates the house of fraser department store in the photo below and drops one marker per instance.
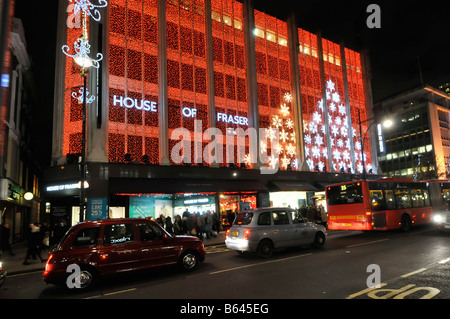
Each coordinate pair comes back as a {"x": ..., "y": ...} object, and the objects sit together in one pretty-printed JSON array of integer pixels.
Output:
[{"x": 191, "y": 65}]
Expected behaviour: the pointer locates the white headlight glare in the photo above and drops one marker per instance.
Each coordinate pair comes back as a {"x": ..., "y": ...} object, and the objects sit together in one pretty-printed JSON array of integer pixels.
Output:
[{"x": 438, "y": 218}]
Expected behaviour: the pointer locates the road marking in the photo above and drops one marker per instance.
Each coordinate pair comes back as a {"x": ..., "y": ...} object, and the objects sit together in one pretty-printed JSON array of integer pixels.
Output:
[
  {"x": 444, "y": 261},
  {"x": 367, "y": 290},
  {"x": 25, "y": 273},
  {"x": 414, "y": 272},
  {"x": 367, "y": 243},
  {"x": 111, "y": 293},
  {"x": 257, "y": 264}
]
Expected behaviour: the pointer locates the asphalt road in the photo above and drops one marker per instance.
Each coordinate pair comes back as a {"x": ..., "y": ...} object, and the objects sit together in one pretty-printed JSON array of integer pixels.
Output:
[{"x": 414, "y": 265}]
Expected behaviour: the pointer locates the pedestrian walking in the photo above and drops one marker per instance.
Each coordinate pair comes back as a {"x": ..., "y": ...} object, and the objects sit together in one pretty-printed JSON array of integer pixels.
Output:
[
  {"x": 209, "y": 221},
  {"x": 169, "y": 225},
  {"x": 200, "y": 223},
  {"x": 178, "y": 225},
  {"x": 33, "y": 244}
]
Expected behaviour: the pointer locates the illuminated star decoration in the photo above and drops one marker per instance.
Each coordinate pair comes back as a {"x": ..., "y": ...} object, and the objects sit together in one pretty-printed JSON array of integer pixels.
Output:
[{"x": 88, "y": 8}]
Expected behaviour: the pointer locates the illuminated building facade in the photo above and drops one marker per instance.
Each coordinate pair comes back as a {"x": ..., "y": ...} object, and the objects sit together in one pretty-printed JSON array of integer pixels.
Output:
[
  {"x": 418, "y": 145},
  {"x": 186, "y": 66}
]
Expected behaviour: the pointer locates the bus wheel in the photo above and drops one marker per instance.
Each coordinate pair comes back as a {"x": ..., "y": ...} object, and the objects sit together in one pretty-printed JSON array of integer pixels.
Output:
[{"x": 406, "y": 223}]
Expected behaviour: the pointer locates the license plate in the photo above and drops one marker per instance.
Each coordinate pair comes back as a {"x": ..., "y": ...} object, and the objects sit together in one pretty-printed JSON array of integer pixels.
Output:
[
  {"x": 346, "y": 224},
  {"x": 234, "y": 233}
]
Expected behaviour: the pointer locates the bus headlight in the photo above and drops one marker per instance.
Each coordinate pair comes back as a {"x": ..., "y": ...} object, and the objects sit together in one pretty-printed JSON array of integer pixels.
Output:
[{"x": 438, "y": 218}]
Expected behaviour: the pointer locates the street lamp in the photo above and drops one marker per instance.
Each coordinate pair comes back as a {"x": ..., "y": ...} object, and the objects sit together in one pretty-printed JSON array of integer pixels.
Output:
[
  {"x": 386, "y": 123},
  {"x": 81, "y": 57}
]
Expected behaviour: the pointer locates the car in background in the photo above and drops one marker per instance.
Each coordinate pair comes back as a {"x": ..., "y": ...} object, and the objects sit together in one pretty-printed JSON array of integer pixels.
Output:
[
  {"x": 2, "y": 275},
  {"x": 263, "y": 230},
  {"x": 442, "y": 219},
  {"x": 109, "y": 246}
]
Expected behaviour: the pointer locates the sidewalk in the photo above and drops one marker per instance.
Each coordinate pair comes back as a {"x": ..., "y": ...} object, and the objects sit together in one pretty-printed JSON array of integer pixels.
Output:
[{"x": 13, "y": 265}]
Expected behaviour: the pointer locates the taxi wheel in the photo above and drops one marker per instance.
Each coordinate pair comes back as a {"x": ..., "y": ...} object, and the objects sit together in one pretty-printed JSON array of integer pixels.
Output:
[
  {"x": 265, "y": 248},
  {"x": 88, "y": 277},
  {"x": 188, "y": 261},
  {"x": 319, "y": 240}
]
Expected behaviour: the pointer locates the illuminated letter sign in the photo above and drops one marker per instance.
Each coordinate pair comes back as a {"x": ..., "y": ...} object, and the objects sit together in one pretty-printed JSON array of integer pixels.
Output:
[
  {"x": 129, "y": 103},
  {"x": 232, "y": 119},
  {"x": 221, "y": 117},
  {"x": 381, "y": 149}
]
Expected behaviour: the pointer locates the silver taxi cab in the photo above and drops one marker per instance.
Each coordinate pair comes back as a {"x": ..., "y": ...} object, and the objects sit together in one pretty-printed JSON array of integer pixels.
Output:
[{"x": 263, "y": 230}]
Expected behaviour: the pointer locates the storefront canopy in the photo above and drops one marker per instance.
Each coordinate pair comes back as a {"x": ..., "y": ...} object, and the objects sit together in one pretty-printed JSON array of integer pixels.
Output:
[
  {"x": 276, "y": 186},
  {"x": 171, "y": 186}
]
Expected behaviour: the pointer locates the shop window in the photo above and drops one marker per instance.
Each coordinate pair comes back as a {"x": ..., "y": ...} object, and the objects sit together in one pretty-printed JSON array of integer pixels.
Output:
[
  {"x": 118, "y": 234},
  {"x": 150, "y": 68},
  {"x": 217, "y": 50},
  {"x": 172, "y": 35},
  {"x": 150, "y": 29},
  {"x": 75, "y": 143},
  {"x": 186, "y": 40}
]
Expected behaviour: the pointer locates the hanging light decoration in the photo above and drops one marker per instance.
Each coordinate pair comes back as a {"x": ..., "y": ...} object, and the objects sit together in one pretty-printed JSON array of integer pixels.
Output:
[
  {"x": 88, "y": 8},
  {"x": 89, "y": 99},
  {"x": 82, "y": 50}
]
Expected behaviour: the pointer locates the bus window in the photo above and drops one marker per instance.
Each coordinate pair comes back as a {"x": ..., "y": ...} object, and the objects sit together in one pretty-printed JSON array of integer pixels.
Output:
[
  {"x": 377, "y": 201},
  {"x": 344, "y": 194},
  {"x": 426, "y": 197},
  {"x": 402, "y": 199},
  {"x": 390, "y": 202},
  {"x": 417, "y": 198}
]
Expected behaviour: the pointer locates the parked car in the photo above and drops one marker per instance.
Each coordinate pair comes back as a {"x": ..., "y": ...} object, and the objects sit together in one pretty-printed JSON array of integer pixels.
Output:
[
  {"x": 111, "y": 246},
  {"x": 265, "y": 229}
]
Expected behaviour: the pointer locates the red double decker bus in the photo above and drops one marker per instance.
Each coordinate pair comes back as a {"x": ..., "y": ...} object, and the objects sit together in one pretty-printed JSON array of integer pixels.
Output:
[{"x": 382, "y": 204}]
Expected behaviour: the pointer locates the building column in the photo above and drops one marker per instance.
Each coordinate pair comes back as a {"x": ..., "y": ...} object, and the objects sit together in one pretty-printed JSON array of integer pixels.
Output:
[
  {"x": 296, "y": 90},
  {"x": 372, "y": 136},
  {"x": 210, "y": 74},
  {"x": 97, "y": 111},
  {"x": 252, "y": 88},
  {"x": 58, "y": 158},
  {"x": 163, "y": 99},
  {"x": 347, "y": 105},
  {"x": 325, "y": 102}
]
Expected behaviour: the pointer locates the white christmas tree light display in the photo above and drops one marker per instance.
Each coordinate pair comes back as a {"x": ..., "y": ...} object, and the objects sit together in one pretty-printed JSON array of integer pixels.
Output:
[{"x": 315, "y": 140}]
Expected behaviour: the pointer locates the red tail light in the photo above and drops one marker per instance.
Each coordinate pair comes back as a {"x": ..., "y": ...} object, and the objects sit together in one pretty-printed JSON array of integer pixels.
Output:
[
  {"x": 226, "y": 235},
  {"x": 247, "y": 233},
  {"x": 48, "y": 266}
]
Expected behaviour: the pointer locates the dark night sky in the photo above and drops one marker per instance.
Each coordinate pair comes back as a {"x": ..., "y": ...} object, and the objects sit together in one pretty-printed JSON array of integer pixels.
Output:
[{"x": 409, "y": 29}]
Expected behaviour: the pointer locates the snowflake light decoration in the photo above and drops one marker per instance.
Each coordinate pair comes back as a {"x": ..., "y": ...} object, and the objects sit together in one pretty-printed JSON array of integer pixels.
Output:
[
  {"x": 88, "y": 8},
  {"x": 284, "y": 110},
  {"x": 287, "y": 97}
]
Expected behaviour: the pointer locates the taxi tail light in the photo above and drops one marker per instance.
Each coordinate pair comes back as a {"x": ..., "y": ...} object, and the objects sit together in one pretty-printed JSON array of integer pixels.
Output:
[
  {"x": 226, "y": 235},
  {"x": 48, "y": 266},
  {"x": 247, "y": 233}
]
